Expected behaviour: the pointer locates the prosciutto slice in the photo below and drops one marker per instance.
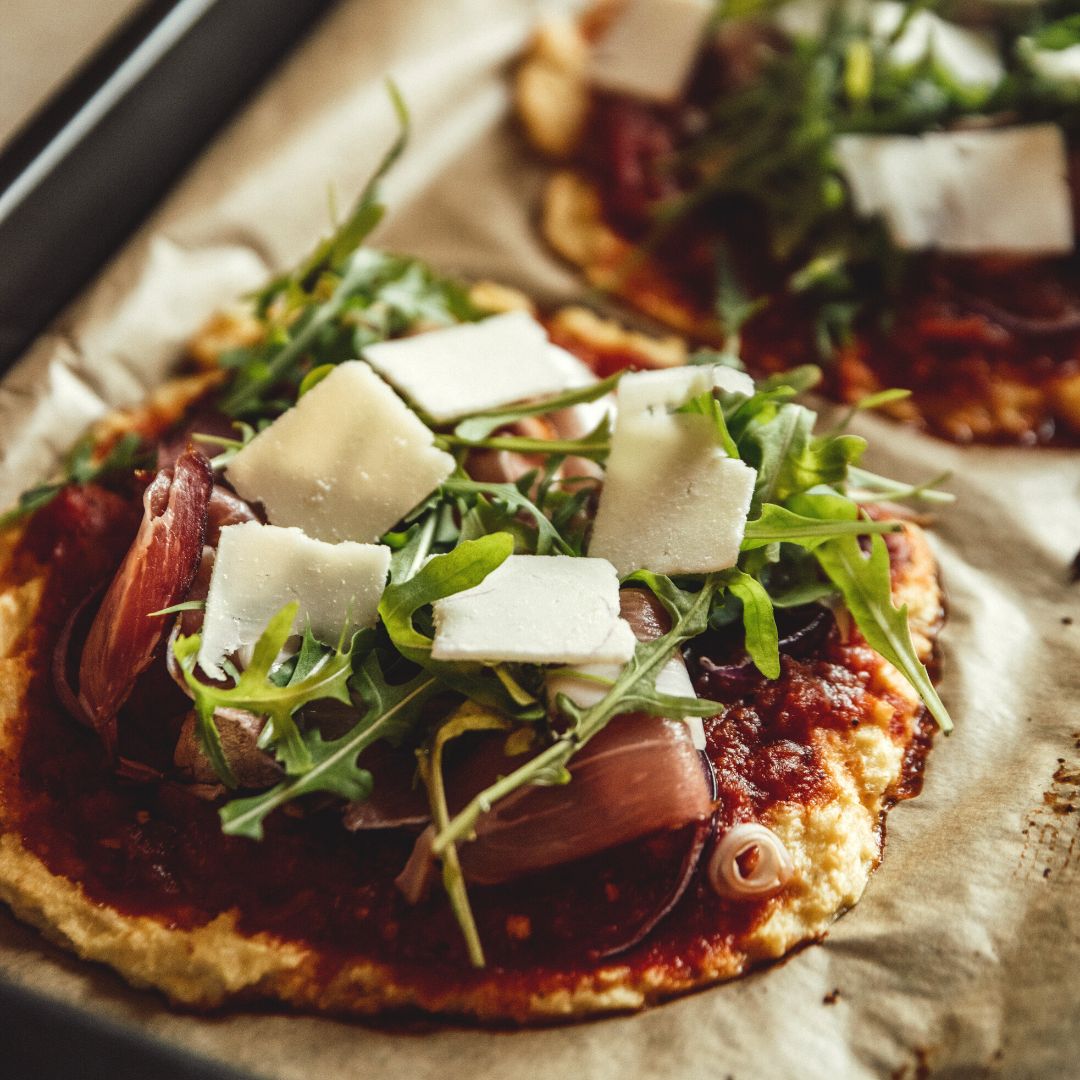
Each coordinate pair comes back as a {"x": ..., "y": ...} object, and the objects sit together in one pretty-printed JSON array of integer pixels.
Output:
[
  {"x": 156, "y": 573},
  {"x": 640, "y": 775}
]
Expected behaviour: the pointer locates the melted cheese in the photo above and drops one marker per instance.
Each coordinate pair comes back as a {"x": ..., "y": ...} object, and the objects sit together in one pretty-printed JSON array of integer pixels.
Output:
[
  {"x": 536, "y": 609},
  {"x": 347, "y": 462},
  {"x": 259, "y": 569}
]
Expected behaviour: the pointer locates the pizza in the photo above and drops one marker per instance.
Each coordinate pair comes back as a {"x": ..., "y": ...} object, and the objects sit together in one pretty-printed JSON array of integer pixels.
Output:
[
  {"x": 391, "y": 658},
  {"x": 882, "y": 188}
]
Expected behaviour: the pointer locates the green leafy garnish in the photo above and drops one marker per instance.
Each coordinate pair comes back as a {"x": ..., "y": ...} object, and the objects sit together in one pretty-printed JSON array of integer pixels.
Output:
[
  {"x": 255, "y": 691},
  {"x": 864, "y": 582}
]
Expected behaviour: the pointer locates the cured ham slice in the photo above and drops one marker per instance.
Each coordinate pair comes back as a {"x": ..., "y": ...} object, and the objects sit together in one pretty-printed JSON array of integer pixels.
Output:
[{"x": 156, "y": 573}]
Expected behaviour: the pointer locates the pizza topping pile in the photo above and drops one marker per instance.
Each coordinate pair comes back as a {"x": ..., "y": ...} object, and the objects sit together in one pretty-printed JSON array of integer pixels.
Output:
[
  {"x": 502, "y": 667},
  {"x": 886, "y": 187}
]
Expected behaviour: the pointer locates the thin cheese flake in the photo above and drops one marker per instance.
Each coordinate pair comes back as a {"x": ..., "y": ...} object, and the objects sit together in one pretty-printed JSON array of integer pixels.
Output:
[
  {"x": 650, "y": 48},
  {"x": 537, "y": 609},
  {"x": 641, "y": 391},
  {"x": 473, "y": 367},
  {"x": 672, "y": 500},
  {"x": 258, "y": 569},
  {"x": 1000, "y": 190},
  {"x": 347, "y": 462}
]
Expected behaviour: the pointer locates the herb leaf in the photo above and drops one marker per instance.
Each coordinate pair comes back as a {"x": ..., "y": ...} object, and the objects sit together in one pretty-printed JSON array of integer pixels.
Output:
[
  {"x": 256, "y": 692},
  {"x": 392, "y": 713},
  {"x": 864, "y": 582}
]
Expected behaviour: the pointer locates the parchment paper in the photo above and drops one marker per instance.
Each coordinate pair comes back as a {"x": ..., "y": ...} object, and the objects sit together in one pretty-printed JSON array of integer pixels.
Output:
[{"x": 963, "y": 958}]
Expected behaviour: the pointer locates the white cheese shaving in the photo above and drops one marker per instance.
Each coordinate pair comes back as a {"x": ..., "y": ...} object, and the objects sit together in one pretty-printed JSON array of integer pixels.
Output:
[
  {"x": 347, "y": 462},
  {"x": 577, "y": 421},
  {"x": 672, "y": 500},
  {"x": 258, "y": 569},
  {"x": 536, "y": 609},
  {"x": 473, "y": 367},
  {"x": 650, "y": 48},
  {"x": 994, "y": 190},
  {"x": 672, "y": 679},
  {"x": 1054, "y": 65},
  {"x": 671, "y": 387}
]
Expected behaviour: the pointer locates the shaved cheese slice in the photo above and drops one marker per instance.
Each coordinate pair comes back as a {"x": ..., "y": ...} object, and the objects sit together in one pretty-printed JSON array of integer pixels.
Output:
[
  {"x": 995, "y": 190},
  {"x": 1054, "y": 65},
  {"x": 260, "y": 568},
  {"x": 672, "y": 500},
  {"x": 579, "y": 686},
  {"x": 671, "y": 387},
  {"x": 537, "y": 609},
  {"x": 579, "y": 420},
  {"x": 473, "y": 367},
  {"x": 347, "y": 462},
  {"x": 650, "y": 48}
]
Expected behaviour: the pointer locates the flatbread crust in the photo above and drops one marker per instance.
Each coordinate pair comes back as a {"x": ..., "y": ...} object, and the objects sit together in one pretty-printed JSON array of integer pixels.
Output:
[
  {"x": 553, "y": 101},
  {"x": 834, "y": 843}
]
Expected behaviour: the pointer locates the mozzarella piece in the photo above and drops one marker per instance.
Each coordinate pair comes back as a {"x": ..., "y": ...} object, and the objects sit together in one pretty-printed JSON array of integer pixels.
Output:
[
  {"x": 473, "y": 367},
  {"x": 260, "y": 568},
  {"x": 347, "y": 462},
  {"x": 650, "y": 48},
  {"x": 641, "y": 391},
  {"x": 672, "y": 679},
  {"x": 537, "y": 609},
  {"x": 672, "y": 500},
  {"x": 996, "y": 190}
]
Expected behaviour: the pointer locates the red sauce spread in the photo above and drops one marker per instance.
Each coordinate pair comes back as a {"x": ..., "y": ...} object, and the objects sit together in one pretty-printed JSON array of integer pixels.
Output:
[
  {"x": 989, "y": 346},
  {"x": 156, "y": 849}
]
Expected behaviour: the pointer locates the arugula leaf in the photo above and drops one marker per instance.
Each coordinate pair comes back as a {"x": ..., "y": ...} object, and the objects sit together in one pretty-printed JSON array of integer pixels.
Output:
[
  {"x": 467, "y": 565},
  {"x": 548, "y": 537},
  {"x": 256, "y": 692},
  {"x": 467, "y": 718},
  {"x": 594, "y": 446},
  {"x": 762, "y": 640},
  {"x": 392, "y": 713},
  {"x": 481, "y": 425},
  {"x": 865, "y": 583},
  {"x": 776, "y": 525},
  {"x": 706, "y": 405}
]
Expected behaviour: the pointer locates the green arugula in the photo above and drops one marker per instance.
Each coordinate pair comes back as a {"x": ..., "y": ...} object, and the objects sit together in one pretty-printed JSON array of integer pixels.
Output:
[
  {"x": 393, "y": 713},
  {"x": 255, "y": 691},
  {"x": 864, "y": 582}
]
